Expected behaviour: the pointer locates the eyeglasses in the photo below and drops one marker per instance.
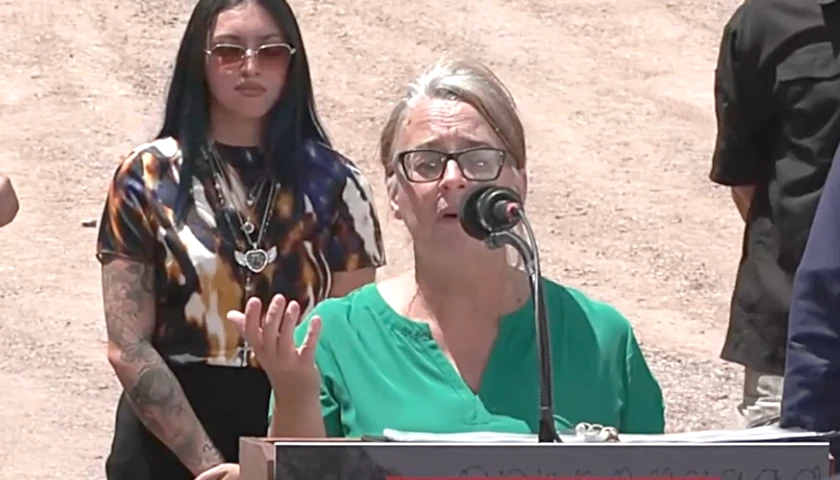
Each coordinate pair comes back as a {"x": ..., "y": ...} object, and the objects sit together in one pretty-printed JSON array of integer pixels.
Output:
[
  {"x": 480, "y": 164},
  {"x": 275, "y": 55}
]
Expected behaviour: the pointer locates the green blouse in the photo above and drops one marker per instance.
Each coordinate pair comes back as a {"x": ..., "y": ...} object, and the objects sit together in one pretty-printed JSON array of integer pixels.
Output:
[{"x": 381, "y": 370}]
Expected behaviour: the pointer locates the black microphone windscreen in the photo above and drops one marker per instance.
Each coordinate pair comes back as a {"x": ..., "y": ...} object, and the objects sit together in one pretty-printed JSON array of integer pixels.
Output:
[
  {"x": 469, "y": 214},
  {"x": 494, "y": 205},
  {"x": 483, "y": 211}
]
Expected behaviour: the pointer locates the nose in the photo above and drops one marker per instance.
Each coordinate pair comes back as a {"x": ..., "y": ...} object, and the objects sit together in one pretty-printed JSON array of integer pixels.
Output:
[
  {"x": 249, "y": 63},
  {"x": 453, "y": 178}
]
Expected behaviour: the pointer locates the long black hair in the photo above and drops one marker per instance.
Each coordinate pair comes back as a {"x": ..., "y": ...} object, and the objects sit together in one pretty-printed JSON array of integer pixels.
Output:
[{"x": 291, "y": 121}]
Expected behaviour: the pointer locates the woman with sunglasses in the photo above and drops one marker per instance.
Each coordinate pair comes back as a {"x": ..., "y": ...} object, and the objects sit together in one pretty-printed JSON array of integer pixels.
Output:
[
  {"x": 449, "y": 346},
  {"x": 239, "y": 196}
]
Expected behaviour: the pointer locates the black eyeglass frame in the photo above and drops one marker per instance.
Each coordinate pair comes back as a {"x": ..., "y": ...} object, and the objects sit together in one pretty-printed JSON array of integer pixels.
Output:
[{"x": 452, "y": 156}]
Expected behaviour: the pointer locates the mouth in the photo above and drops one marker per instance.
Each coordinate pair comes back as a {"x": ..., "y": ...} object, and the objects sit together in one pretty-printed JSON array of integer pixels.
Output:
[
  {"x": 250, "y": 90},
  {"x": 449, "y": 217}
]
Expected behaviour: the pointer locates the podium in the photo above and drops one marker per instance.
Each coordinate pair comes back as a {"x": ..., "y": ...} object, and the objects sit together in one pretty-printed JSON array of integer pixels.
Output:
[{"x": 343, "y": 459}]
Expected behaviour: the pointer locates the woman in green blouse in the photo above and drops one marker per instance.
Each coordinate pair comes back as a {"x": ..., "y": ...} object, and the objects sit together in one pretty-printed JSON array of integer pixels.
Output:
[{"x": 450, "y": 345}]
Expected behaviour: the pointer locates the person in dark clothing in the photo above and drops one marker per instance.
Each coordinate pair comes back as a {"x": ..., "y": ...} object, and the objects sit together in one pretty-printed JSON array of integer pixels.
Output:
[
  {"x": 777, "y": 97},
  {"x": 811, "y": 398},
  {"x": 240, "y": 196}
]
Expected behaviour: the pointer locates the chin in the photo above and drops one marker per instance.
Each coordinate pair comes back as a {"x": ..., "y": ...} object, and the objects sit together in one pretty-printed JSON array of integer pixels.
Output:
[
  {"x": 255, "y": 113},
  {"x": 456, "y": 240},
  {"x": 248, "y": 108}
]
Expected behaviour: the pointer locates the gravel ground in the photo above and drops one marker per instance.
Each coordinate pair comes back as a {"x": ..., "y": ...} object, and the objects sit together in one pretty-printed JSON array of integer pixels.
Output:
[{"x": 699, "y": 394}]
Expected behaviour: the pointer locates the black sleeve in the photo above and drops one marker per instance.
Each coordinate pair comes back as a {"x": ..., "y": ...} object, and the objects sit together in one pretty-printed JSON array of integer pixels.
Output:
[{"x": 742, "y": 107}]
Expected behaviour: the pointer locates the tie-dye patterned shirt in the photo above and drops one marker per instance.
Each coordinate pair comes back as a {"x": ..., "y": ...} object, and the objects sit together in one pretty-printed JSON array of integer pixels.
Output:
[{"x": 332, "y": 228}]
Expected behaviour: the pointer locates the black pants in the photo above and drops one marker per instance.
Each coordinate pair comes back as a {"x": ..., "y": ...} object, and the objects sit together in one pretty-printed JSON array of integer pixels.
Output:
[{"x": 229, "y": 402}]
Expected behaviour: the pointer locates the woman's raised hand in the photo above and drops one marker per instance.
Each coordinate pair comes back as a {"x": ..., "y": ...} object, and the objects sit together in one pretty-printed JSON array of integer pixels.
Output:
[{"x": 291, "y": 370}]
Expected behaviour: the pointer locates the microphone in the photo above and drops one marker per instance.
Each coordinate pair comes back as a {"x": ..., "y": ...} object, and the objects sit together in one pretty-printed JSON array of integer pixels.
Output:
[
  {"x": 489, "y": 213},
  {"x": 489, "y": 209}
]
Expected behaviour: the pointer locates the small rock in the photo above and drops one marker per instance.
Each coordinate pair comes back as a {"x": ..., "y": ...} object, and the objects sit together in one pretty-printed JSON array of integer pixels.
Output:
[{"x": 88, "y": 223}]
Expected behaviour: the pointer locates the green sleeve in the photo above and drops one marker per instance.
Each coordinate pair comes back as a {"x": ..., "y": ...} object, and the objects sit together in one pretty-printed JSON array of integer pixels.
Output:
[
  {"x": 325, "y": 361},
  {"x": 644, "y": 410}
]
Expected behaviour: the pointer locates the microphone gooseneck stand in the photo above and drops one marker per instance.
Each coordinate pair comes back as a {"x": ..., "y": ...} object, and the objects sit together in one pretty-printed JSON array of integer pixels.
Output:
[{"x": 531, "y": 257}]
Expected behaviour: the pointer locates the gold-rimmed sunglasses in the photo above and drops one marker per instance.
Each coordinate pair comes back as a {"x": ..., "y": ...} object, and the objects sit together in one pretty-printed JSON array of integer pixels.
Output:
[{"x": 273, "y": 55}]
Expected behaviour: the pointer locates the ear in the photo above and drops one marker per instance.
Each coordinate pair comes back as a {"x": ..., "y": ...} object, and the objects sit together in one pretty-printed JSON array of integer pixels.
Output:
[{"x": 393, "y": 192}]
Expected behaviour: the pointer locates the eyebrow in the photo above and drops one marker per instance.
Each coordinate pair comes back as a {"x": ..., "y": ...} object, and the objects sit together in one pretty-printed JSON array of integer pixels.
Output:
[{"x": 227, "y": 37}]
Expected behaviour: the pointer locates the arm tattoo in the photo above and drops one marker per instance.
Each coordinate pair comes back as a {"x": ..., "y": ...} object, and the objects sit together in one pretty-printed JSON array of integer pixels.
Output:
[
  {"x": 151, "y": 387},
  {"x": 159, "y": 400},
  {"x": 129, "y": 299}
]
